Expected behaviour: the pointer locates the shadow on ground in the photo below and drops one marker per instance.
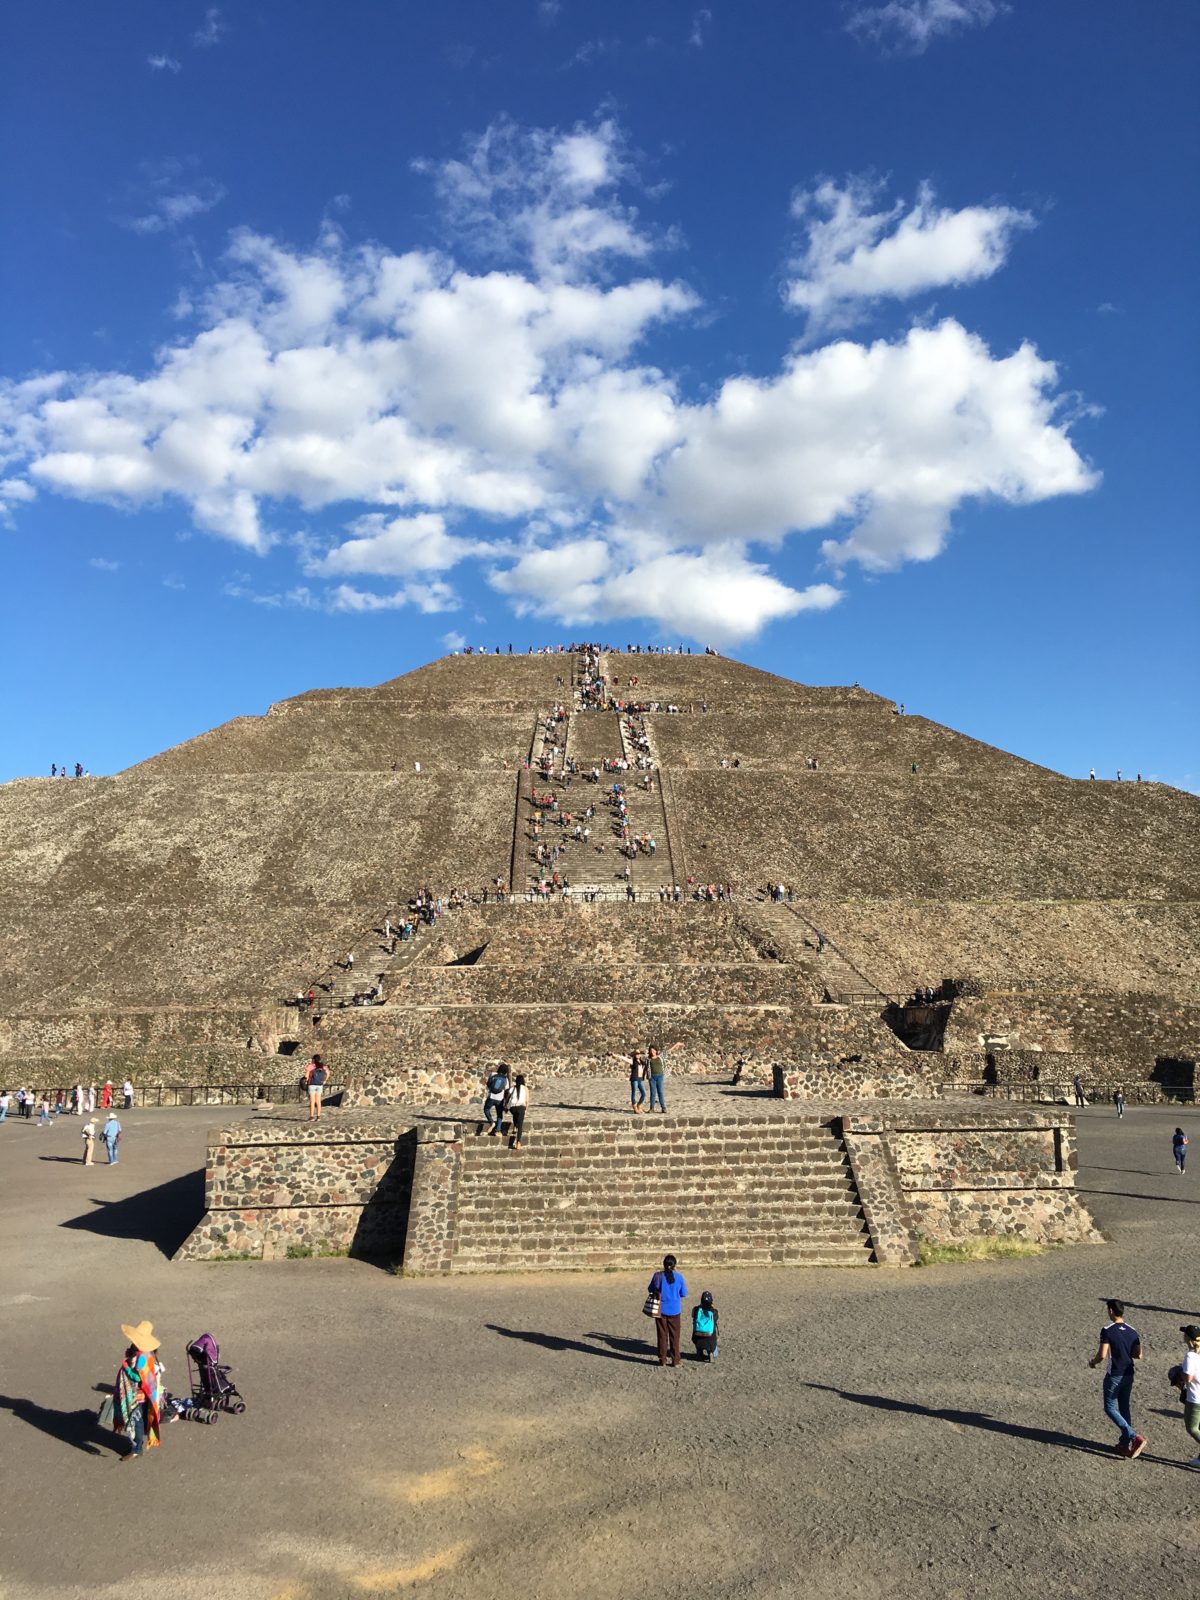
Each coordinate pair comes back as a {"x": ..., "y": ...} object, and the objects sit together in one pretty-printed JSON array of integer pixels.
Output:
[
  {"x": 619, "y": 1349},
  {"x": 163, "y": 1216},
  {"x": 980, "y": 1419},
  {"x": 79, "y": 1429}
]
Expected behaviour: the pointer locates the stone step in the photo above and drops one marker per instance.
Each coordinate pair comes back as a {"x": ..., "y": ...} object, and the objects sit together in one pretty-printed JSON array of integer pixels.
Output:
[{"x": 531, "y": 1258}]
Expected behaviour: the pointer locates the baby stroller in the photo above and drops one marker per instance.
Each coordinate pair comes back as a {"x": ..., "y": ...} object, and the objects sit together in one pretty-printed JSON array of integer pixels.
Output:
[{"x": 213, "y": 1390}]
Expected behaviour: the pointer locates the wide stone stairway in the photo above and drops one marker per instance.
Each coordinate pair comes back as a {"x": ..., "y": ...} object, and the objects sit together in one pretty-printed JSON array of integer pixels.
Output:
[{"x": 620, "y": 1192}]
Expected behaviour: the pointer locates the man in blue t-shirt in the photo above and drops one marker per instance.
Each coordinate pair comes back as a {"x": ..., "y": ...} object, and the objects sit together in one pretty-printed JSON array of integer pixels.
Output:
[{"x": 1120, "y": 1347}]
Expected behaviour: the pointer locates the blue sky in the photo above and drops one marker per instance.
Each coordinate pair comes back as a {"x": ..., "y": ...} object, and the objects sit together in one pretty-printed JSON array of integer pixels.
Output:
[{"x": 857, "y": 339}]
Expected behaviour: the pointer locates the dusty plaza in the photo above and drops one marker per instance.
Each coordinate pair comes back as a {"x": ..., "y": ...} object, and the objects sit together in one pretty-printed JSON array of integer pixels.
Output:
[{"x": 868, "y": 1433}]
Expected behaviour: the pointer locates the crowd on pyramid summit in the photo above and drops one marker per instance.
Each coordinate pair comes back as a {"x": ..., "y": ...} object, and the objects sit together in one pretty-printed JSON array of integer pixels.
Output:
[
  {"x": 578, "y": 648},
  {"x": 59, "y": 770}
]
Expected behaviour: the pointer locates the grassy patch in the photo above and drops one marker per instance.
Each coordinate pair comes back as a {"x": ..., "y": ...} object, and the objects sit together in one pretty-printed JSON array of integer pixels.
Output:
[
  {"x": 931, "y": 1254},
  {"x": 299, "y": 1252}
]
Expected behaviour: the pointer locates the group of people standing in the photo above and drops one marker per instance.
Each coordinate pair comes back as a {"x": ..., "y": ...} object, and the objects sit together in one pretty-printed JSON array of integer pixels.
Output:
[
  {"x": 665, "y": 1294},
  {"x": 77, "y": 1101}
]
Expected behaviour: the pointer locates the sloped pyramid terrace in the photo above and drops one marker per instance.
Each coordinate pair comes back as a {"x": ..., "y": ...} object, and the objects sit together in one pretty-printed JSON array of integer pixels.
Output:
[{"x": 156, "y": 920}]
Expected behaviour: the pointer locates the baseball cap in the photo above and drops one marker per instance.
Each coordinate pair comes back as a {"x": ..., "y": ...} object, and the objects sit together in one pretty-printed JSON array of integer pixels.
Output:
[{"x": 1189, "y": 1330}]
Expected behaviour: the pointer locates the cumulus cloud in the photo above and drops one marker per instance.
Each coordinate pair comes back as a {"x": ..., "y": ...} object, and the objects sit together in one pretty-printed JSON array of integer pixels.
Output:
[
  {"x": 909, "y": 26},
  {"x": 857, "y": 253},
  {"x": 544, "y": 197},
  {"x": 162, "y": 63},
  {"x": 511, "y": 419},
  {"x": 102, "y": 564}
]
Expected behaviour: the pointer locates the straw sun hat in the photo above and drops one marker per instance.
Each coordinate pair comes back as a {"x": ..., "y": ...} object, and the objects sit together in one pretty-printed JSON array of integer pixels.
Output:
[{"x": 141, "y": 1336}]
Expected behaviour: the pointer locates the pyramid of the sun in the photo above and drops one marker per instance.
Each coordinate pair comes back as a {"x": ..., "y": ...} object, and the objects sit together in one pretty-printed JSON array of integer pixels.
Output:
[{"x": 154, "y": 921}]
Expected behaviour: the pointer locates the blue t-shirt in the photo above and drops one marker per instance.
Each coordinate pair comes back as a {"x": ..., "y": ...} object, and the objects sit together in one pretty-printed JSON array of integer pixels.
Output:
[
  {"x": 673, "y": 1294},
  {"x": 1120, "y": 1339}
]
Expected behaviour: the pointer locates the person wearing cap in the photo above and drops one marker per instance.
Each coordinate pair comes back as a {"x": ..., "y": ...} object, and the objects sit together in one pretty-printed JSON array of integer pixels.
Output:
[
  {"x": 137, "y": 1392},
  {"x": 1120, "y": 1347},
  {"x": 1188, "y": 1379}
]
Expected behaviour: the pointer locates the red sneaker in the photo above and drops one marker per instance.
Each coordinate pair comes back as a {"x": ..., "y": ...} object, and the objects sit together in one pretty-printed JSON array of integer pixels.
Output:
[{"x": 1136, "y": 1448}]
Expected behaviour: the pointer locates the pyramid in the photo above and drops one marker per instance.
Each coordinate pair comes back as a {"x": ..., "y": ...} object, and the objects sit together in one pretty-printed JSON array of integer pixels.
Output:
[{"x": 157, "y": 921}]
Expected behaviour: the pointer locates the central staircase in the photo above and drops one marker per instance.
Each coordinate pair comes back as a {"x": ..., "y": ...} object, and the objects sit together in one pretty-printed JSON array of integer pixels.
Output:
[{"x": 620, "y": 1192}]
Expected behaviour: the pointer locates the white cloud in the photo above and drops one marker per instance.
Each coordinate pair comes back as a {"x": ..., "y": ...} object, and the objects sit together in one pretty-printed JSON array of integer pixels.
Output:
[
  {"x": 453, "y": 641},
  {"x": 430, "y": 598},
  {"x": 855, "y": 256},
  {"x": 700, "y": 23},
  {"x": 101, "y": 564},
  {"x": 908, "y": 26},
  {"x": 511, "y": 420},
  {"x": 170, "y": 193},
  {"x": 545, "y": 197},
  {"x": 211, "y": 31},
  {"x": 162, "y": 63}
]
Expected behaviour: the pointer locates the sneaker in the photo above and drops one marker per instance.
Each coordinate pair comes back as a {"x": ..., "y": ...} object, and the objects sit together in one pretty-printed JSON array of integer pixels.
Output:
[
  {"x": 1136, "y": 1447},
  {"x": 1120, "y": 1448},
  {"x": 1193, "y": 1462}
]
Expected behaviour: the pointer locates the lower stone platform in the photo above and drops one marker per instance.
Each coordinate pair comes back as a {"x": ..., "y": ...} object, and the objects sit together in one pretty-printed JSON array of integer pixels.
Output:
[{"x": 727, "y": 1176}]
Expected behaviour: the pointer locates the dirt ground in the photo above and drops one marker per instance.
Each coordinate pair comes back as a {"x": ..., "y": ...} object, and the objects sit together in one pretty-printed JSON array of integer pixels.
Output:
[{"x": 865, "y": 1433}]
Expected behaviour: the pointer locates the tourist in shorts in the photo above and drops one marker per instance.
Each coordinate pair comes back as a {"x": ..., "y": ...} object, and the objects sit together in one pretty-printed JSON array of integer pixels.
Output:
[
  {"x": 315, "y": 1080},
  {"x": 1120, "y": 1347}
]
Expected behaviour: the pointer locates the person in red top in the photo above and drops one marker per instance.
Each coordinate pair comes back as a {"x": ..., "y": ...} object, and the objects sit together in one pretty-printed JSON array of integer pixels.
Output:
[{"x": 316, "y": 1078}]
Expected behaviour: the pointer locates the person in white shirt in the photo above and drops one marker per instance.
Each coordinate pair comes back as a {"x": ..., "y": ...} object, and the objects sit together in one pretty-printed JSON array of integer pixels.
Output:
[
  {"x": 1189, "y": 1383},
  {"x": 518, "y": 1101}
]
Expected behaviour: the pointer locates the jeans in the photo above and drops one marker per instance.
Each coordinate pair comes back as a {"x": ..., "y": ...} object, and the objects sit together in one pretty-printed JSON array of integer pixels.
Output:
[
  {"x": 493, "y": 1111},
  {"x": 3, "y": 1113},
  {"x": 111, "y": 1146},
  {"x": 136, "y": 1432},
  {"x": 1117, "y": 1392},
  {"x": 656, "y": 1092},
  {"x": 637, "y": 1091}
]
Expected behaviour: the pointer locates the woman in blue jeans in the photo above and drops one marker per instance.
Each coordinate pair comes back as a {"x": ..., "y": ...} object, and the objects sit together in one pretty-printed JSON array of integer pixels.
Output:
[{"x": 672, "y": 1292}]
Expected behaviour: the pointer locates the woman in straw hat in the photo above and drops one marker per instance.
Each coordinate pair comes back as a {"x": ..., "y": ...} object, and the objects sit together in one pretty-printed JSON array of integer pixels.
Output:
[{"x": 137, "y": 1393}]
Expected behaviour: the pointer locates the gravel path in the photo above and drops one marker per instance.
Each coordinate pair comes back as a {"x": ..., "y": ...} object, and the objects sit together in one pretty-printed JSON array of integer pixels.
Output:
[{"x": 865, "y": 1433}]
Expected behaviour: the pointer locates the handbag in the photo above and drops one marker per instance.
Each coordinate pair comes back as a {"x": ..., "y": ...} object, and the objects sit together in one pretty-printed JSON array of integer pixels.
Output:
[
  {"x": 653, "y": 1304},
  {"x": 104, "y": 1416}
]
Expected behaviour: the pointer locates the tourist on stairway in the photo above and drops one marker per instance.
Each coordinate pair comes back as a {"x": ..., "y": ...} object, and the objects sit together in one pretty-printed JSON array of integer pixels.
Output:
[
  {"x": 637, "y": 1083},
  {"x": 494, "y": 1099},
  {"x": 657, "y": 1069},
  {"x": 518, "y": 1104}
]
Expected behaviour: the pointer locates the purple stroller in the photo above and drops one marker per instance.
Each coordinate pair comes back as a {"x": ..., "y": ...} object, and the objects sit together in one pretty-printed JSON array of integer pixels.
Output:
[{"x": 213, "y": 1390}]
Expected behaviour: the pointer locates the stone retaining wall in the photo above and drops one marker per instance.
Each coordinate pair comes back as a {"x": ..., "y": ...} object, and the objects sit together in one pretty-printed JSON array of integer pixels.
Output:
[
  {"x": 950, "y": 1177},
  {"x": 735, "y": 1187},
  {"x": 278, "y": 1186}
]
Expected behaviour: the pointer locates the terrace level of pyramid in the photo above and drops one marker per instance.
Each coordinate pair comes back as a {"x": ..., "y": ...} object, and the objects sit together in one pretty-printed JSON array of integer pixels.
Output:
[{"x": 157, "y": 921}]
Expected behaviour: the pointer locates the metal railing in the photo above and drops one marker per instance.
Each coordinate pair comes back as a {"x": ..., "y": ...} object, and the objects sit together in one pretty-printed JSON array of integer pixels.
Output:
[{"x": 205, "y": 1094}]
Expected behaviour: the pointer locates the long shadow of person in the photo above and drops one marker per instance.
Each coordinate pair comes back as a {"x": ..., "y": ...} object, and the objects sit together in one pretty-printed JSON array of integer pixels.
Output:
[
  {"x": 969, "y": 1419},
  {"x": 552, "y": 1341},
  {"x": 980, "y": 1419},
  {"x": 76, "y": 1428}
]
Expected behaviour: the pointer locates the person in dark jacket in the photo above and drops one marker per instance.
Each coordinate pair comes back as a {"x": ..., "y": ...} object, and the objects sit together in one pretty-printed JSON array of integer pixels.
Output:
[{"x": 705, "y": 1321}]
